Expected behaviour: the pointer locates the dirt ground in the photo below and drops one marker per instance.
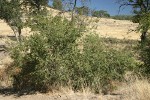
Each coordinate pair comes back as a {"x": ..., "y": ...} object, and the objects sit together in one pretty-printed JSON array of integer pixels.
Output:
[
  {"x": 49, "y": 97},
  {"x": 58, "y": 97},
  {"x": 68, "y": 96}
]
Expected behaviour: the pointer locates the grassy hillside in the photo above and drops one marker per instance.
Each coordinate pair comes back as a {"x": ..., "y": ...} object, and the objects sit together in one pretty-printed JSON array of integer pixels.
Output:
[{"x": 104, "y": 27}]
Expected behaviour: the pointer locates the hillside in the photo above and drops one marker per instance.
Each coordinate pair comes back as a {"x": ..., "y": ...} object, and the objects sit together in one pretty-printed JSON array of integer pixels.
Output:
[
  {"x": 120, "y": 29},
  {"x": 105, "y": 27}
]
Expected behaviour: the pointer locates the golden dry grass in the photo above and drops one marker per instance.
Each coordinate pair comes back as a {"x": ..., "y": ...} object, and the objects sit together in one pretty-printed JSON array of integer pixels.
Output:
[
  {"x": 138, "y": 90},
  {"x": 120, "y": 29},
  {"x": 5, "y": 71}
]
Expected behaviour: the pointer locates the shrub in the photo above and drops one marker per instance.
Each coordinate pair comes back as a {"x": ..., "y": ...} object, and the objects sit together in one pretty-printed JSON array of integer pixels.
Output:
[
  {"x": 105, "y": 64},
  {"x": 51, "y": 58},
  {"x": 41, "y": 56}
]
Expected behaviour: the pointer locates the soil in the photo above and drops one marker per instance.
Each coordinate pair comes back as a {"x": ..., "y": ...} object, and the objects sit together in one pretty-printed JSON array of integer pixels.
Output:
[{"x": 69, "y": 96}]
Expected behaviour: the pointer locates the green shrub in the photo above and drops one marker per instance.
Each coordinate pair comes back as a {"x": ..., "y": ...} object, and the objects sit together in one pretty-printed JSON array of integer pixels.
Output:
[
  {"x": 51, "y": 58},
  {"x": 104, "y": 64},
  {"x": 41, "y": 57}
]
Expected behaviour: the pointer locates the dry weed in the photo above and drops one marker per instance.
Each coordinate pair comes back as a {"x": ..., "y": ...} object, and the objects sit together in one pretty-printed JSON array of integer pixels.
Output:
[
  {"x": 137, "y": 90},
  {"x": 67, "y": 93},
  {"x": 4, "y": 78},
  {"x": 6, "y": 70}
]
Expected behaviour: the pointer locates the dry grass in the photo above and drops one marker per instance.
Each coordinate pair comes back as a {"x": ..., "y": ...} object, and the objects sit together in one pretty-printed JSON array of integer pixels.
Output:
[
  {"x": 120, "y": 29},
  {"x": 66, "y": 93},
  {"x": 138, "y": 90},
  {"x": 6, "y": 71},
  {"x": 5, "y": 80},
  {"x": 7, "y": 61}
]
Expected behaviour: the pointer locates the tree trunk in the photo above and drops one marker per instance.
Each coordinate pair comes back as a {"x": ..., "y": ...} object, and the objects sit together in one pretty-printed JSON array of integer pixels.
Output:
[
  {"x": 19, "y": 34},
  {"x": 15, "y": 32},
  {"x": 143, "y": 36},
  {"x": 74, "y": 6}
]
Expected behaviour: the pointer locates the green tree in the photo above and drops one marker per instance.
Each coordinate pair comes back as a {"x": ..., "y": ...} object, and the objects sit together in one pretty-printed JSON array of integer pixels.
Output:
[
  {"x": 39, "y": 3},
  {"x": 14, "y": 11},
  {"x": 141, "y": 9},
  {"x": 57, "y": 4},
  {"x": 10, "y": 12},
  {"x": 100, "y": 13}
]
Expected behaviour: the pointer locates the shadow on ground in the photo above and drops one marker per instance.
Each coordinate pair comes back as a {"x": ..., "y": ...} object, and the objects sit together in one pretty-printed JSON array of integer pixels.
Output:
[{"x": 11, "y": 91}]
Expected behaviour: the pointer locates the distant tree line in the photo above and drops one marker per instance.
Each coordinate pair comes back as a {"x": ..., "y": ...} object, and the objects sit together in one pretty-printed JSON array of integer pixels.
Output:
[
  {"x": 122, "y": 17},
  {"x": 100, "y": 13},
  {"x": 85, "y": 10}
]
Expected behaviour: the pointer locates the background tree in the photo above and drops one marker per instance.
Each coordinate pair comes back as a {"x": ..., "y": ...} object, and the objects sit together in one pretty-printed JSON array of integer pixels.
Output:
[
  {"x": 36, "y": 3},
  {"x": 100, "y": 13},
  {"x": 10, "y": 12},
  {"x": 73, "y": 4},
  {"x": 84, "y": 10},
  {"x": 57, "y": 4},
  {"x": 13, "y": 12},
  {"x": 141, "y": 9}
]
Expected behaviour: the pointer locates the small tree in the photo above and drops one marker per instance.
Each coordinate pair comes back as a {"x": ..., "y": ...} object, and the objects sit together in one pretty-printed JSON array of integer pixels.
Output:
[
  {"x": 13, "y": 11},
  {"x": 141, "y": 9},
  {"x": 10, "y": 12},
  {"x": 74, "y": 3}
]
